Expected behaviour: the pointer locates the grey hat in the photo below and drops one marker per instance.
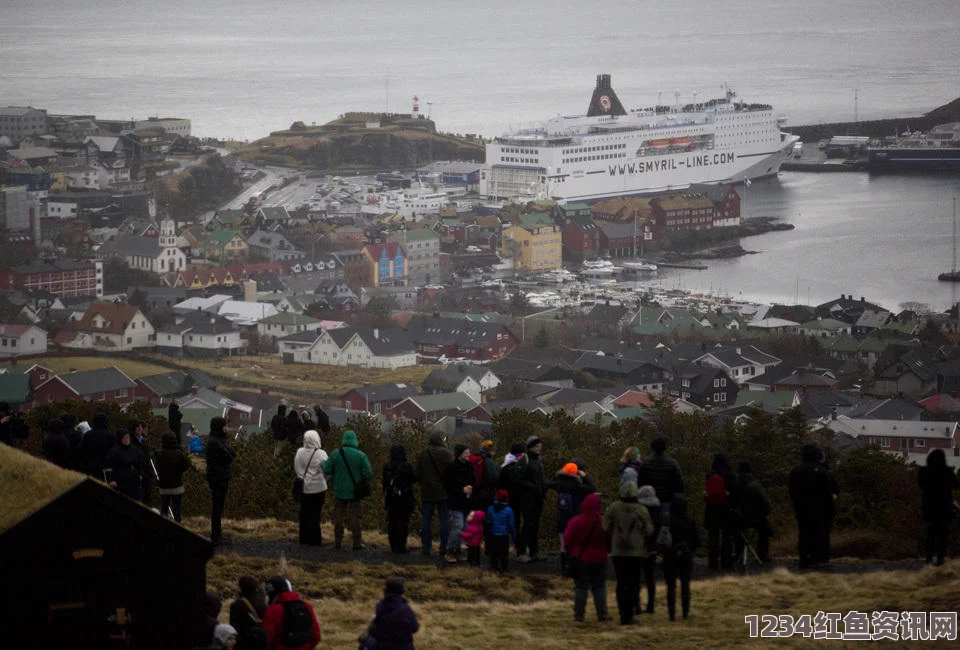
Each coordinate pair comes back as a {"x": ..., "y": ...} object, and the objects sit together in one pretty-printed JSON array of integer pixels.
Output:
[{"x": 648, "y": 496}]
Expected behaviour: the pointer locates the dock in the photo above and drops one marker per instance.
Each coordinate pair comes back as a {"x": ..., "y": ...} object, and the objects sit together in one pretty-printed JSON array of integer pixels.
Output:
[{"x": 682, "y": 265}]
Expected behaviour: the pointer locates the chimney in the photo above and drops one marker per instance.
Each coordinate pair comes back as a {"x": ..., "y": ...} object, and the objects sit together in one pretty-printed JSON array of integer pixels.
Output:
[
  {"x": 739, "y": 350},
  {"x": 862, "y": 300},
  {"x": 376, "y": 333},
  {"x": 195, "y": 389}
]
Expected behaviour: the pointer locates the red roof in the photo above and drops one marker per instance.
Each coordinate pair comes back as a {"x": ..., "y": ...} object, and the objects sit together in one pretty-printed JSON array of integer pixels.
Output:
[
  {"x": 117, "y": 317},
  {"x": 941, "y": 402},
  {"x": 376, "y": 250},
  {"x": 634, "y": 398},
  {"x": 14, "y": 330}
]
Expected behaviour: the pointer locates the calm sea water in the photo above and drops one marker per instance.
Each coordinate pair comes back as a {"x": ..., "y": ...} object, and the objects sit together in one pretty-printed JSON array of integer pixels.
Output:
[{"x": 241, "y": 68}]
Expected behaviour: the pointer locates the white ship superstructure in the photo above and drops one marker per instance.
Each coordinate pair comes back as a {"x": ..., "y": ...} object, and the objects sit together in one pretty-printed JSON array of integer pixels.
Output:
[{"x": 612, "y": 152}]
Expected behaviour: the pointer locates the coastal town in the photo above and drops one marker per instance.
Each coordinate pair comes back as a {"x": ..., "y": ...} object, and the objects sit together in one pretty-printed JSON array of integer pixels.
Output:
[{"x": 135, "y": 241}]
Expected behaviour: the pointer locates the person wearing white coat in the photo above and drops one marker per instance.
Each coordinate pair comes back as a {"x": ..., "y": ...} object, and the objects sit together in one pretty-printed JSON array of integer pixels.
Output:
[{"x": 308, "y": 464}]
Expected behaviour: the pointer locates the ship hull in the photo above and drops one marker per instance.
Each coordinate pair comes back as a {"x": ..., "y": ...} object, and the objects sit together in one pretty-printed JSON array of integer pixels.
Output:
[{"x": 913, "y": 160}]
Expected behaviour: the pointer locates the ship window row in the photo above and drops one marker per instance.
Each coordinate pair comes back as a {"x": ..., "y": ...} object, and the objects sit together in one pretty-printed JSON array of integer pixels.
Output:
[
  {"x": 606, "y": 147},
  {"x": 532, "y": 161},
  {"x": 515, "y": 150},
  {"x": 601, "y": 157}
]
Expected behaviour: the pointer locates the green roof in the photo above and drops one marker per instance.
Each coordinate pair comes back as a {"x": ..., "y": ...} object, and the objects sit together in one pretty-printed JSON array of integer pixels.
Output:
[
  {"x": 197, "y": 418},
  {"x": 290, "y": 318},
  {"x": 444, "y": 402},
  {"x": 13, "y": 368},
  {"x": 767, "y": 400},
  {"x": 623, "y": 414},
  {"x": 825, "y": 324},
  {"x": 421, "y": 234},
  {"x": 536, "y": 219},
  {"x": 223, "y": 237},
  {"x": 14, "y": 389},
  {"x": 578, "y": 207}
]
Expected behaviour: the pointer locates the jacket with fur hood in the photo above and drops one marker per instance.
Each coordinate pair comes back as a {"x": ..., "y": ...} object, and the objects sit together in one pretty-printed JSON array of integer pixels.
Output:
[{"x": 311, "y": 471}]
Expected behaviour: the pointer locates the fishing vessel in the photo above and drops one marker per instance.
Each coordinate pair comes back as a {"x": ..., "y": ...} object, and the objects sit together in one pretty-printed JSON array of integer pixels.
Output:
[
  {"x": 614, "y": 152},
  {"x": 938, "y": 149}
]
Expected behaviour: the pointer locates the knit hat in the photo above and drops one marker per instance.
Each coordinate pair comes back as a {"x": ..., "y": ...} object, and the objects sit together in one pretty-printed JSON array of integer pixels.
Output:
[
  {"x": 503, "y": 496},
  {"x": 648, "y": 496},
  {"x": 458, "y": 449},
  {"x": 394, "y": 586},
  {"x": 533, "y": 441},
  {"x": 217, "y": 426},
  {"x": 517, "y": 448},
  {"x": 486, "y": 444},
  {"x": 659, "y": 445},
  {"x": 570, "y": 468},
  {"x": 223, "y": 632},
  {"x": 629, "y": 491}
]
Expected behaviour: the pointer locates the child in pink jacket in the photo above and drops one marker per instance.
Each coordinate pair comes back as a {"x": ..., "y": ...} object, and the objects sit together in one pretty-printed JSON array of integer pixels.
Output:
[{"x": 472, "y": 536}]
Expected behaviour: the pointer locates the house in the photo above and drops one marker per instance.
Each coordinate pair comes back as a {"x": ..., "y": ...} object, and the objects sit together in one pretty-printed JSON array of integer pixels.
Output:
[
  {"x": 422, "y": 248},
  {"x": 449, "y": 338},
  {"x": 534, "y": 247},
  {"x": 823, "y": 328},
  {"x": 153, "y": 254},
  {"x": 463, "y": 378},
  {"x": 273, "y": 246},
  {"x": 704, "y": 385},
  {"x": 804, "y": 381},
  {"x": 15, "y": 391},
  {"x": 224, "y": 245},
  {"x": 658, "y": 321},
  {"x": 726, "y": 202},
  {"x": 306, "y": 273},
  {"x": 536, "y": 371},
  {"x": 487, "y": 411},
  {"x": 376, "y": 399},
  {"x": 108, "y": 327},
  {"x": 646, "y": 376},
  {"x": 88, "y": 583},
  {"x": 201, "y": 335},
  {"x": 741, "y": 363},
  {"x": 286, "y": 323},
  {"x": 846, "y": 308},
  {"x": 108, "y": 384},
  {"x": 245, "y": 314},
  {"x": 348, "y": 346},
  {"x": 632, "y": 398},
  {"x": 870, "y": 320},
  {"x": 774, "y": 326},
  {"x": 151, "y": 298},
  {"x": 271, "y": 217},
  {"x": 911, "y": 440},
  {"x": 389, "y": 264},
  {"x": 64, "y": 277},
  {"x": 581, "y": 404},
  {"x": 163, "y": 388},
  {"x": 430, "y": 408},
  {"x": 18, "y": 340},
  {"x": 768, "y": 401},
  {"x": 914, "y": 374}
]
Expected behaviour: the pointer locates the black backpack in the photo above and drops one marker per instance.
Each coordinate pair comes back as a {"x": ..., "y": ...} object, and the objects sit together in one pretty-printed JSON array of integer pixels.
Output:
[
  {"x": 297, "y": 624},
  {"x": 512, "y": 475}
]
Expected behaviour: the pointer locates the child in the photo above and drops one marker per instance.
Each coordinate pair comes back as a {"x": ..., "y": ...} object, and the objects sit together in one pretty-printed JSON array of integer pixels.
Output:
[
  {"x": 472, "y": 536},
  {"x": 678, "y": 560},
  {"x": 502, "y": 528},
  {"x": 196, "y": 444}
]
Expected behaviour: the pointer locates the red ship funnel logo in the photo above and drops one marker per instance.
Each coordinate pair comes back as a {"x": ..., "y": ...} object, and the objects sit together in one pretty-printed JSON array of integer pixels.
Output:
[{"x": 605, "y": 103}]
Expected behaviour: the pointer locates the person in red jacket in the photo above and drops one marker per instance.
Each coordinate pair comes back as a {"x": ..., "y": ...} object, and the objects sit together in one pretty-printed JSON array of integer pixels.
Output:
[
  {"x": 302, "y": 631},
  {"x": 587, "y": 541}
]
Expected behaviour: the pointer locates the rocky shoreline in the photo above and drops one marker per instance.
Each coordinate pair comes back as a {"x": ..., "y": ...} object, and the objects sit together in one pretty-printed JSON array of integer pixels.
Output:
[{"x": 715, "y": 244}]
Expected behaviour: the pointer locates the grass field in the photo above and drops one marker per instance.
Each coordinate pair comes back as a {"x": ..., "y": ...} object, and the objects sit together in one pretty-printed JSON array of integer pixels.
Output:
[
  {"x": 299, "y": 380},
  {"x": 464, "y": 608}
]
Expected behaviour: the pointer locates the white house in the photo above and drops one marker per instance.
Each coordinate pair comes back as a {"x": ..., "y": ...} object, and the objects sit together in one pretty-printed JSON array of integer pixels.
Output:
[
  {"x": 910, "y": 439},
  {"x": 17, "y": 340},
  {"x": 98, "y": 175},
  {"x": 740, "y": 363},
  {"x": 285, "y": 324},
  {"x": 201, "y": 335},
  {"x": 113, "y": 328},
  {"x": 347, "y": 346},
  {"x": 462, "y": 378},
  {"x": 245, "y": 314}
]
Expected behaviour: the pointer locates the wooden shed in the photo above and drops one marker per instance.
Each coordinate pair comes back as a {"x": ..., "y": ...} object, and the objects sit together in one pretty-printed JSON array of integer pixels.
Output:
[{"x": 86, "y": 567}]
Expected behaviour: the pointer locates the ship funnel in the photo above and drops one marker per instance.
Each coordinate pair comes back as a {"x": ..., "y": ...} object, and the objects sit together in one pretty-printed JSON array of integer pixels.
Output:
[{"x": 604, "y": 100}]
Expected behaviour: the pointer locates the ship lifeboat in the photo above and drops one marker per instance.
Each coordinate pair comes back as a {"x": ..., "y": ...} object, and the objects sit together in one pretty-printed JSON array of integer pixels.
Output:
[
  {"x": 681, "y": 142},
  {"x": 659, "y": 144}
]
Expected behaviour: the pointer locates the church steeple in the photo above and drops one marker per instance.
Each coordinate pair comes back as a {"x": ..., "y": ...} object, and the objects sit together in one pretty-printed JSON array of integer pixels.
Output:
[{"x": 168, "y": 233}]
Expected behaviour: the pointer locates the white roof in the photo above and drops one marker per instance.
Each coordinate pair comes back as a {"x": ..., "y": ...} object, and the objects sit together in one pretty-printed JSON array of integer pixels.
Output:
[
  {"x": 246, "y": 313},
  {"x": 104, "y": 142},
  {"x": 201, "y": 303},
  {"x": 772, "y": 323},
  {"x": 858, "y": 427}
]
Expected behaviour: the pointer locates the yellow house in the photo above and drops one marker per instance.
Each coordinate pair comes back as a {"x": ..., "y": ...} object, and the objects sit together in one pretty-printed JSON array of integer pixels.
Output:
[
  {"x": 535, "y": 247},
  {"x": 224, "y": 245}
]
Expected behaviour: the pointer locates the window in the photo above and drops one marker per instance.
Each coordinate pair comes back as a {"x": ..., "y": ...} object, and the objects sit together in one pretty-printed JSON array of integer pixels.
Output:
[
  {"x": 129, "y": 340},
  {"x": 723, "y": 382},
  {"x": 101, "y": 396},
  {"x": 884, "y": 442},
  {"x": 716, "y": 383},
  {"x": 919, "y": 442},
  {"x": 122, "y": 392},
  {"x": 716, "y": 397}
]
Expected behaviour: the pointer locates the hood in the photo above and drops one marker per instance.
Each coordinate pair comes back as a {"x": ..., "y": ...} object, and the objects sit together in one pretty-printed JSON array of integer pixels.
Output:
[
  {"x": 169, "y": 441},
  {"x": 629, "y": 491},
  {"x": 936, "y": 458},
  {"x": 276, "y": 587},
  {"x": 533, "y": 441},
  {"x": 647, "y": 496},
  {"x": 323, "y": 420},
  {"x": 218, "y": 427},
  {"x": 591, "y": 505},
  {"x": 509, "y": 458},
  {"x": 100, "y": 421},
  {"x": 458, "y": 449},
  {"x": 721, "y": 464},
  {"x": 121, "y": 433},
  {"x": 223, "y": 632},
  {"x": 811, "y": 454},
  {"x": 83, "y": 427},
  {"x": 311, "y": 440},
  {"x": 436, "y": 439},
  {"x": 398, "y": 453},
  {"x": 479, "y": 518},
  {"x": 350, "y": 439},
  {"x": 678, "y": 506},
  {"x": 282, "y": 410}
]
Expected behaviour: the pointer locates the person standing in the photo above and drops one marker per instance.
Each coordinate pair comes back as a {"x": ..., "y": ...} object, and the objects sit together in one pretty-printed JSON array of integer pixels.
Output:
[
  {"x": 661, "y": 471},
  {"x": 394, "y": 623},
  {"x": 812, "y": 496},
  {"x": 629, "y": 525},
  {"x": 175, "y": 420},
  {"x": 289, "y": 620},
  {"x": 95, "y": 446},
  {"x": 219, "y": 460},
  {"x": 937, "y": 483},
  {"x": 398, "y": 480},
  {"x": 721, "y": 500},
  {"x": 278, "y": 425},
  {"x": 754, "y": 512},
  {"x": 308, "y": 465},
  {"x": 293, "y": 427},
  {"x": 459, "y": 484},
  {"x": 487, "y": 490},
  {"x": 572, "y": 485},
  {"x": 647, "y": 497},
  {"x": 502, "y": 528},
  {"x": 629, "y": 465},
  {"x": 678, "y": 559},
  {"x": 431, "y": 469},
  {"x": 172, "y": 462},
  {"x": 532, "y": 488},
  {"x": 348, "y": 467},
  {"x": 56, "y": 447},
  {"x": 122, "y": 466},
  {"x": 140, "y": 441},
  {"x": 587, "y": 541}
]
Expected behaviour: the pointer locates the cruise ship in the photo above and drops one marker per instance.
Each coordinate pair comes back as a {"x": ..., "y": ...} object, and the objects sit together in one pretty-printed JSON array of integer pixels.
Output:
[{"x": 614, "y": 152}]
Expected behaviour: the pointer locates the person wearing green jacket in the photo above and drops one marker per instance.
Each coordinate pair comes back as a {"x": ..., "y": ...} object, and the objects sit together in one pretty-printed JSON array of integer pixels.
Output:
[
  {"x": 629, "y": 524},
  {"x": 346, "y": 467}
]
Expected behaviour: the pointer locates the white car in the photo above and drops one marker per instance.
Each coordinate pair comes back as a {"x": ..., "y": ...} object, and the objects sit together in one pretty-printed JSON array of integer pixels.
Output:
[{"x": 472, "y": 249}]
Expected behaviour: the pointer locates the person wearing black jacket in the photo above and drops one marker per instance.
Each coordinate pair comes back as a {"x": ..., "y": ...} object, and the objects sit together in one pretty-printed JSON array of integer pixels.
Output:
[
  {"x": 175, "y": 419},
  {"x": 219, "y": 459},
  {"x": 246, "y": 616},
  {"x": 811, "y": 492},
  {"x": 661, "y": 471},
  {"x": 754, "y": 512},
  {"x": 171, "y": 462},
  {"x": 458, "y": 482},
  {"x": 95, "y": 446},
  {"x": 532, "y": 487},
  {"x": 278, "y": 425},
  {"x": 487, "y": 490},
  {"x": 294, "y": 427},
  {"x": 398, "y": 480},
  {"x": 937, "y": 483},
  {"x": 719, "y": 515},
  {"x": 394, "y": 624},
  {"x": 678, "y": 559},
  {"x": 56, "y": 447},
  {"x": 122, "y": 466},
  {"x": 74, "y": 436},
  {"x": 573, "y": 482},
  {"x": 138, "y": 433}
]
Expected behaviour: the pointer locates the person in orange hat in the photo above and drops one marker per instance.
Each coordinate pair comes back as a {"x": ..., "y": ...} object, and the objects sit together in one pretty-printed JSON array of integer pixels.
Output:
[{"x": 571, "y": 484}]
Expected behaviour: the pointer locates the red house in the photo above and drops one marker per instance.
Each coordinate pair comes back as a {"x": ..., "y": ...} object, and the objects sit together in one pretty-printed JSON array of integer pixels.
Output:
[
  {"x": 452, "y": 338},
  {"x": 102, "y": 385},
  {"x": 376, "y": 399},
  {"x": 581, "y": 238},
  {"x": 675, "y": 212}
]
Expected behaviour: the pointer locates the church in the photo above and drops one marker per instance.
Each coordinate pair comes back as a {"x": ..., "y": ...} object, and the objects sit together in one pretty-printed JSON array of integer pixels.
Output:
[{"x": 154, "y": 254}]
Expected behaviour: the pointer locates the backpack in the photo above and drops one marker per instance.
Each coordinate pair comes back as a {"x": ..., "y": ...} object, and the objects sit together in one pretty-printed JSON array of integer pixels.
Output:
[
  {"x": 716, "y": 490},
  {"x": 395, "y": 489},
  {"x": 512, "y": 474},
  {"x": 297, "y": 627},
  {"x": 564, "y": 503},
  {"x": 665, "y": 536},
  {"x": 623, "y": 537}
]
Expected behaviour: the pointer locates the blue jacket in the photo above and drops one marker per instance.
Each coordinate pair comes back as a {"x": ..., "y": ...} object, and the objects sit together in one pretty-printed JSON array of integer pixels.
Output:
[{"x": 501, "y": 521}]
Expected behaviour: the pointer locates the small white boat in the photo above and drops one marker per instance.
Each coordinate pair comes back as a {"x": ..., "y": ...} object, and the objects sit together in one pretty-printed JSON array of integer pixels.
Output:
[
  {"x": 598, "y": 268},
  {"x": 638, "y": 265}
]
